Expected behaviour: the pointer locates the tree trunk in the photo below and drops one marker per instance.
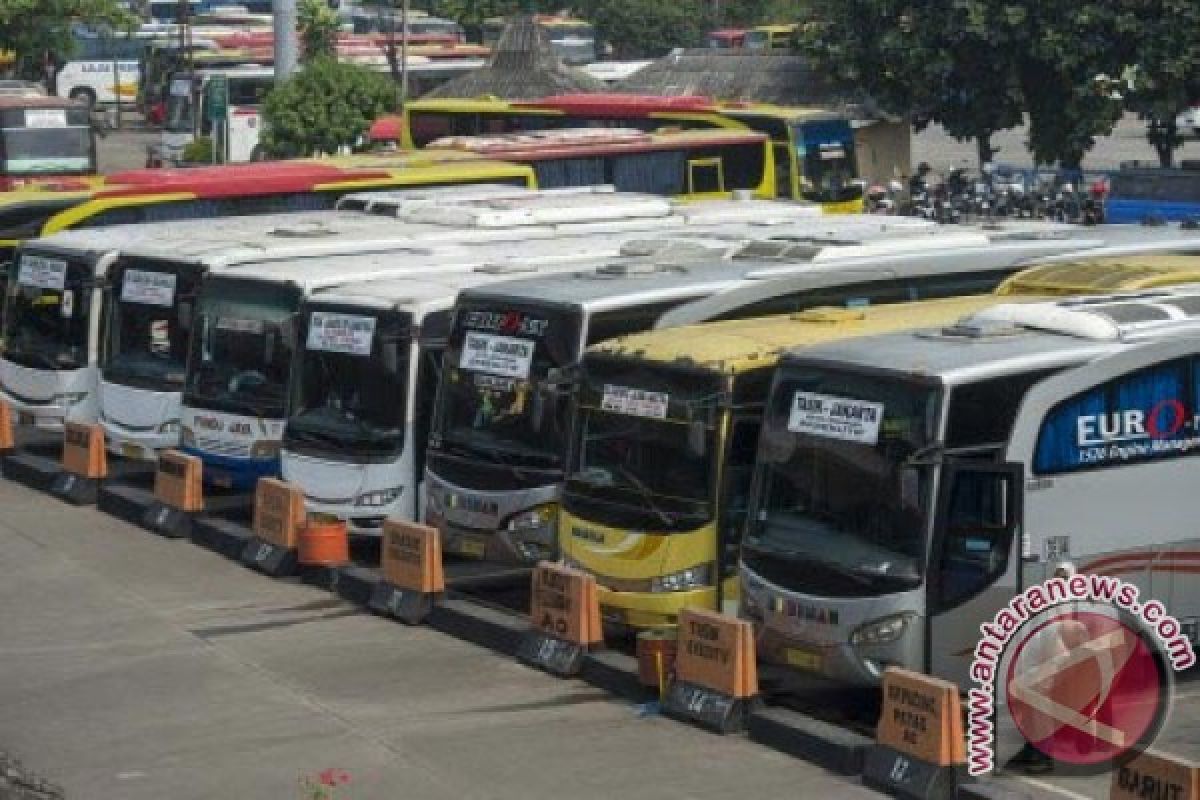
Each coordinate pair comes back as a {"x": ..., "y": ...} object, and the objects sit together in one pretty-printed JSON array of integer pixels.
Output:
[
  {"x": 983, "y": 145},
  {"x": 1164, "y": 138}
]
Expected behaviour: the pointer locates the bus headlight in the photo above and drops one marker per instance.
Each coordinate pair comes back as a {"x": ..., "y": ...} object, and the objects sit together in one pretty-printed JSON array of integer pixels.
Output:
[
  {"x": 690, "y": 578},
  {"x": 265, "y": 449},
  {"x": 531, "y": 519},
  {"x": 883, "y": 630},
  {"x": 380, "y": 497},
  {"x": 187, "y": 437},
  {"x": 169, "y": 427}
]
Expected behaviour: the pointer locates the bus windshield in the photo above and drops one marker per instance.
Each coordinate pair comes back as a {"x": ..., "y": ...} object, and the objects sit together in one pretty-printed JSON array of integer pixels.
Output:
[
  {"x": 242, "y": 348},
  {"x": 149, "y": 328},
  {"x": 47, "y": 151},
  {"x": 827, "y": 159},
  {"x": 350, "y": 396},
  {"x": 637, "y": 462},
  {"x": 495, "y": 356},
  {"x": 49, "y": 313},
  {"x": 842, "y": 494}
]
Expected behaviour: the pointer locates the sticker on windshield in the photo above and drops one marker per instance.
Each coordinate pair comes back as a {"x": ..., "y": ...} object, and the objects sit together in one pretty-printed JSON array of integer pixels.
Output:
[
  {"x": 45, "y": 118},
  {"x": 634, "y": 402},
  {"x": 148, "y": 288},
  {"x": 181, "y": 87},
  {"x": 497, "y": 355},
  {"x": 42, "y": 273},
  {"x": 236, "y": 325},
  {"x": 835, "y": 417},
  {"x": 340, "y": 333}
]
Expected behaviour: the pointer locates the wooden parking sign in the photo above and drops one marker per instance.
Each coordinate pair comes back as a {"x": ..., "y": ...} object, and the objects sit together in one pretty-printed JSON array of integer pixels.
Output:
[
  {"x": 178, "y": 482},
  {"x": 278, "y": 512},
  {"x": 83, "y": 451},
  {"x": 565, "y": 619},
  {"x": 716, "y": 672},
  {"x": 413, "y": 577},
  {"x": 1154, "y": 775}
]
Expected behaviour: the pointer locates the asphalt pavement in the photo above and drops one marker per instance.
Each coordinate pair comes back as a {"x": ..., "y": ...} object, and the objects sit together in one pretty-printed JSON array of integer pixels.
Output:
[{"x": 133, "y": 666}]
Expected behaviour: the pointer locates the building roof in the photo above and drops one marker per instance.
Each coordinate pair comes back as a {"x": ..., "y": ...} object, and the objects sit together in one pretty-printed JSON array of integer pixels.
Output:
[
  {"x": 742, "y": 75},
  {"x": 523, "y": 65}
]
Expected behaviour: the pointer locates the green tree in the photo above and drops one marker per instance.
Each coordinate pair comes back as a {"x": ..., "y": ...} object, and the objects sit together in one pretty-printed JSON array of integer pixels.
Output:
[
  {"x": 324, "y": 107},
  {"x": 944, "y": 61},
  {"x": 1068, "y": 47},
  {"x": 1163, "y": 73},
  {"x": 34, "y": 28},
  {"x": 318, "y": 25},
  {"x": 647, "y": 28}
]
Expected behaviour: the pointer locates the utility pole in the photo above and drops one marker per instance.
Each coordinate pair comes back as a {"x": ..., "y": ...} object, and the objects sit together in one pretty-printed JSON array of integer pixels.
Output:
[
  {"x": 404, "y": 55},
  {"x": 285, "y": 39}
]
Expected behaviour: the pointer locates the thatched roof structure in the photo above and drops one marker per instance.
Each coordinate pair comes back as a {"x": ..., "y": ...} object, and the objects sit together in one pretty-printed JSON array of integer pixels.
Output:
[
  {"x": 764, "y": 77},
  {"x": 522, "y": 67}
]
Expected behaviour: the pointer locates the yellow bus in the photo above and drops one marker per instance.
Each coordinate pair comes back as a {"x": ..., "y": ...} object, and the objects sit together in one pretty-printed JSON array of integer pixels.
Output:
[
  {"x": 814, "y": 149},
  {"x": 667, "y": 430},
  {"x": 770, "y": 37},
  {"x": 159, "y": 195},
  {"x": 696, "y": 165}
]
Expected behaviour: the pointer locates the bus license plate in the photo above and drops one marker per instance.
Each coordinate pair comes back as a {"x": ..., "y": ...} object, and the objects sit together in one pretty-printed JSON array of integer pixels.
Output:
[
  {"x": 803, "y": 659},
  {"x": 131, "y": 451},
  {"x": 473, "y": 546},
  {"x": 221, "y": 480}
]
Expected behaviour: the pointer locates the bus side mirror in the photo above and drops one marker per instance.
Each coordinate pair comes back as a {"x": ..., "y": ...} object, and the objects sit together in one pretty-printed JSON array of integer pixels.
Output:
[{"x": 697, "y": 438}]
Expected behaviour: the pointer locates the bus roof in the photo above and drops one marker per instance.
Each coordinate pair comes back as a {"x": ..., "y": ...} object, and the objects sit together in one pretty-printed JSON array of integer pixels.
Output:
[
  {"x": 1042, "y": 243},
  {"x": 734, "y": 346},
  {"x": 1020, "y": 337},
  {"x": 34, "y": 101},
  {"x": 585, "y": 142},
  {"x": 1116, "y": 273}
]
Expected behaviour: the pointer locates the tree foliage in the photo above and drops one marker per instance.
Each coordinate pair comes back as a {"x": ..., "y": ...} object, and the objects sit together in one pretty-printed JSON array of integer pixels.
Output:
[
  {"x": 980, "y": 66},
  {"x": 648, "y": 28},
  {"x": 324, "y": 107},
  {"x": 34, "y": 28},
  {"x": 318, "y": 26}
]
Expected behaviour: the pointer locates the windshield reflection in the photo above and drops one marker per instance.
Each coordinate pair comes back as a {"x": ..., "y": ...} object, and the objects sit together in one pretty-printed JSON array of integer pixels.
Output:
[
  {"x": 239, "y": 365},
  {"x": 848, "y": 502}
]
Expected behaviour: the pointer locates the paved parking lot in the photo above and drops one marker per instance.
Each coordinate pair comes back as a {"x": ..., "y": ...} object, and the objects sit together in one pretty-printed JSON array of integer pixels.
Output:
[{"x": 137, "y": 667}]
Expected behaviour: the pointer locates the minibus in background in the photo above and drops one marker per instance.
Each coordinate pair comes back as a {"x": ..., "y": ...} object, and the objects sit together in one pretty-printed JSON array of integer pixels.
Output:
[
  {"x": 44, "y": 137},
  {"x": 980, "y": 452},
  {"x": 452, "y": 228},
  {"x": 726, "y": 39},
  {"x": 1140, "y": 193},
  {"x": 813, "y": 149},
  {"x": 104, "y": 66},
  {"x": 692, "y": 164},
  {"x": 667, "y": 424},
  {"x": 497, "y": 451},
  {"x": 771, "y": 37}
]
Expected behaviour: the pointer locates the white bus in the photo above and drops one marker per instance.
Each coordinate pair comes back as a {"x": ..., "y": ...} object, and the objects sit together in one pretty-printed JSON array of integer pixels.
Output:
[
  {"x": 496, "y": 457},
  {"x": 104, "y": 67},
  {"x": 155, "y": 280},
  {"x": 991, "y": 451}
]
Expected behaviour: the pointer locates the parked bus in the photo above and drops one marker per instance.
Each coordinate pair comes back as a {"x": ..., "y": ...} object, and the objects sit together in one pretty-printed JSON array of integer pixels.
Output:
[
  {"x": 142, "y": 369},
  {"x": 694, "y": 164},
  {"x": 139, "y": 196},
  {"x": 1138, "y": 194},
  {"x": 726, "y": 39},
  {"x": 573, "y": 40},
  {"x": 978, "y": 461},
  {"x": 42, "y": 137},
  {"x": 770, "y": 37},
  {"x": 668, "y": 422},
  {"x": 814, "y": 149},
  {"x": 497, "y": 456},
  {"x": 104, "y": 67}
]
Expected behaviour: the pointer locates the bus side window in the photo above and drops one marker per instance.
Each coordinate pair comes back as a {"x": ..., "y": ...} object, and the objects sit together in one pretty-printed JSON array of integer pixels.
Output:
[{"x": 978, "y": 534}]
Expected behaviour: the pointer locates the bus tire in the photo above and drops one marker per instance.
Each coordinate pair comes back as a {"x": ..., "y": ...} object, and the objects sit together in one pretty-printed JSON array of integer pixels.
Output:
[
  {"x": 258, "y": 154},
  {"x": 83, "y": 95}
]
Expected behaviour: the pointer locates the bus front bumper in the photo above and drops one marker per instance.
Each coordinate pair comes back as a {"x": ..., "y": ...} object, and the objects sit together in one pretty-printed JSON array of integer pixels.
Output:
[
  {"x": 651, "y": 610},
  {"x": 239, "y": 474}
]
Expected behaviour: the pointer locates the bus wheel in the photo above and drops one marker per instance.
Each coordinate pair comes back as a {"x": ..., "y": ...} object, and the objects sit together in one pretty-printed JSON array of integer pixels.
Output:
[
  {"x": 85, "y": 96},
  {"x": 258, "y": 154}
]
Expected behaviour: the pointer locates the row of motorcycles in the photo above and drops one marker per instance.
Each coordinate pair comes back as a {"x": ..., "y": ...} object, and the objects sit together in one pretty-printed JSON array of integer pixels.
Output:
[{"x": 994, "y": 193}]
